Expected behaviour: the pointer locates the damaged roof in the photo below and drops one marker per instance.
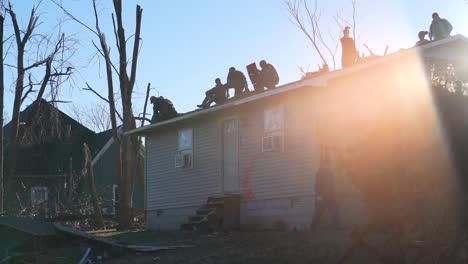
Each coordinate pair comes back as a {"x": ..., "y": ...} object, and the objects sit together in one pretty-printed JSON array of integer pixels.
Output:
[{"x": 316, "y": 82}]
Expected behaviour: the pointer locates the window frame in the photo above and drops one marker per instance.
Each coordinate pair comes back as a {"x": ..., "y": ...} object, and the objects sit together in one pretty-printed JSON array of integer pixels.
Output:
[
  {"x": 184, "y": 150},
  {"x": 278, "y": 111},
  {"x": 34, "y": 190}
]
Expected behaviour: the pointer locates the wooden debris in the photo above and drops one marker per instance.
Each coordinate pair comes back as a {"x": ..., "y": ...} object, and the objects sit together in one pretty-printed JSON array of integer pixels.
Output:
[{"x": 138, "y": 248}]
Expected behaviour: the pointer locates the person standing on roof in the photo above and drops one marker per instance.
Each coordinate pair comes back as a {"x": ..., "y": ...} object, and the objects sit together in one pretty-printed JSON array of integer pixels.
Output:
[
  {"x": 349, "y": 53},
  {"x": 268, "y": 75},
  {"x": 422, "y": 38},
  {"x": 163, "y": 109},
  {"x": 236, "y": 79},
  {"x": 440, "y": 28},
  {"x": 217, "y": 94}
]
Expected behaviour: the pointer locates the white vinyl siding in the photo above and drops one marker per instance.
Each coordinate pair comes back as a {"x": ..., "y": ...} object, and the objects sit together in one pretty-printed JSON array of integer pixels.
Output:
[{"x": 169, "y": 187}]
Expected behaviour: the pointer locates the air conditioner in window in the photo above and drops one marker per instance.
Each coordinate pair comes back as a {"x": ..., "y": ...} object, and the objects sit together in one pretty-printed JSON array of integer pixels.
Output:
[
  {"x": 183, "y": 160},
  {"x": 272, "y": 142}
]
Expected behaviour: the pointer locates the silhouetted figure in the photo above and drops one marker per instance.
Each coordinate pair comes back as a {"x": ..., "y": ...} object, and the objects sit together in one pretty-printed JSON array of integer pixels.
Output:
[
  {"x": 440, "y": 28},
  {"x": 236, "y": 79},
  {"x": 325, "y": 190},
  {"x": 268, "y": 75},
  {"x": 254, "y": 75},
  {"x": 217, "y": 94},
  {"x": 422, "y": 38},
  {"x": 349, "y": 53},
  {"x": 163, "y": 109}
]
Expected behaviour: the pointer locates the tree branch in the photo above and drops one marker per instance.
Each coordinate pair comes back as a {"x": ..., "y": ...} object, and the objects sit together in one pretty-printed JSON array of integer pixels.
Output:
[
  {"x": 74, "y": 18},
  {"x": 115, "y": 32},
  {"x": 31, "y": 26},
  {"x": 294, "y": 12},
  {"x": 146, "y": 104},
  {"x": 102, "y": 54},
  {"x": 48, "y": 71},
  {"x": 136, "y": 46},
  {"x": 89, "y": 88},
  {"x": 30, "y": 90}
]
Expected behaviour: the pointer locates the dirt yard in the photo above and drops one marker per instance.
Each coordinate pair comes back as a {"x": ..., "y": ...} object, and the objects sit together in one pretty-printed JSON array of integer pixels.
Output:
[
  {"x": 241, "y": 247},
  {"x": 325, "y": 246}
]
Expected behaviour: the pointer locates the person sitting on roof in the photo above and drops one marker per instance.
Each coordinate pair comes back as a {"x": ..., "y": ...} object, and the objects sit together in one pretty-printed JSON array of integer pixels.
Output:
[
  {"x": 422, "y": 38},
  {"x": 217, "y": 94},
  {"x": 236, "y": 79},
  {"x": 268, "y": 75},
  {"x": 440, "y": 28},
  {"x": 349, "y": 54},
  {"x": 163, "y": 109}
]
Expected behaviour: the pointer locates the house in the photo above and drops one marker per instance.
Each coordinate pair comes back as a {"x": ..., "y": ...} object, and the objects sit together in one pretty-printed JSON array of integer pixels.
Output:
[
  {"x": 51, "y": 144},
  {"x": 265, "y": 148},
  {"x": 51, "y": 156}
]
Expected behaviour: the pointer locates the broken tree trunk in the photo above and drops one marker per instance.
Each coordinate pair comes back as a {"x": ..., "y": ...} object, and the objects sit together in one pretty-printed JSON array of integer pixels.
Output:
[
  {"x": 19, "y": 87},
  {"x": 127, "y": 82},
  {"x": 92, "y": 188},
  {"x": 2, "y": 89}
]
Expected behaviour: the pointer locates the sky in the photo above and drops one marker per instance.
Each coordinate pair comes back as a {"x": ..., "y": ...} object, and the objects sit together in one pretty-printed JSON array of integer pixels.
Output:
[{"x": 187, "y": 44}]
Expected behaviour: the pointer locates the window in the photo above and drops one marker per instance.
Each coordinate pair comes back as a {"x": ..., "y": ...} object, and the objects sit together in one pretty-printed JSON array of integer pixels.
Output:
[
  {"x": 184, "y": 155},
  {"x": 273, "y": 126},
  {"x": 38, "y": 196}
]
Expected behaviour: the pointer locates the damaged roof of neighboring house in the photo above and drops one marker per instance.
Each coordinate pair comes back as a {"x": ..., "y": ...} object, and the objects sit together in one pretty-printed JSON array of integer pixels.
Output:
[
  {"x": 319, "y": 81},
  {"x": 27, "y": 112}
]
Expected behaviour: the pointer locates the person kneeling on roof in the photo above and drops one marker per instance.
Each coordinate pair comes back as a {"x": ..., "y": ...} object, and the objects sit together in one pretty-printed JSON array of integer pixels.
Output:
[
  {"x": 268, "y": 75},
  {"x": 217, "y": 94},
  {"x": 163, "y": 109},
  {"x": 236, "y": 79}
]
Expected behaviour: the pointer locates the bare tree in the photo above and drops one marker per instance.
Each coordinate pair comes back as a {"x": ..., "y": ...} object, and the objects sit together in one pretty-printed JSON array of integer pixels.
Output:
[
  {"x": 42, "y": 57},
  {"x": 127, "y": 147},
  {"x": 307, "y": 17},
  {"x": 2, "y": 90}
]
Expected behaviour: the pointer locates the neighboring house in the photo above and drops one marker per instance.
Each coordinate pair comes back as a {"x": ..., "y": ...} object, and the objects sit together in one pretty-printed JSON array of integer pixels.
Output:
[
  {"x": 105, "y": 175},
  {"x": 266, "y": 147},
  {"x": 51, "y": 149}
]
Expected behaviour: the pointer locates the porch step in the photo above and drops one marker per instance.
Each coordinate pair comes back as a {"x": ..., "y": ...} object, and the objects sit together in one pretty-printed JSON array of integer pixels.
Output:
[{"x": 209, "y": 216}]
